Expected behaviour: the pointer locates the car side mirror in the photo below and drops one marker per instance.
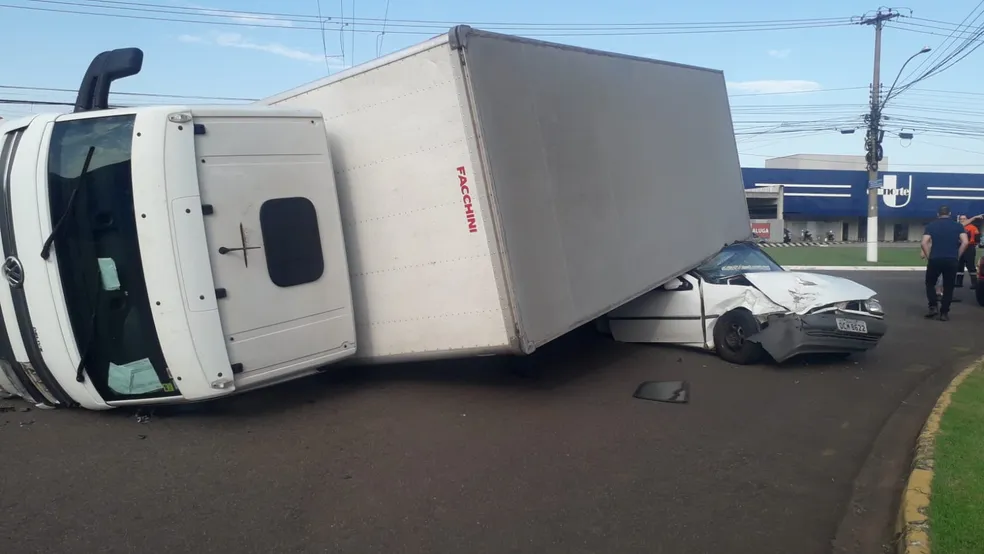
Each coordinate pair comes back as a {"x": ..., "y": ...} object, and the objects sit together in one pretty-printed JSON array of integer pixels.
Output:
[{"x": 677, "y": 284}]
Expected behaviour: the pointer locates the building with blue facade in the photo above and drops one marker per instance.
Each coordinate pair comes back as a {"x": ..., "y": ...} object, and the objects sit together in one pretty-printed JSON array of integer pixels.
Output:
[{"x": 822, "y": 200}]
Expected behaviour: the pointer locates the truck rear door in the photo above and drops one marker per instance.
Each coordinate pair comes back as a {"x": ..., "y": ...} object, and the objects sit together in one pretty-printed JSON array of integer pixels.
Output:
[{"x": 274, "y": 235}]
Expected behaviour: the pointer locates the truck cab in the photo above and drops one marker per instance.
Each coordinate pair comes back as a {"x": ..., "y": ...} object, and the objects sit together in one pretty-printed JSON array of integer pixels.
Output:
[{"x": 168, "y": 254}]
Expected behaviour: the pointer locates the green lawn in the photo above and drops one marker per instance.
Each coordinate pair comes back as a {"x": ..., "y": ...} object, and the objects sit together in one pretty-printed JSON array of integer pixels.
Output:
[
  {"x": 957, "y": 505},
  {"x": 845, "y": 255}
]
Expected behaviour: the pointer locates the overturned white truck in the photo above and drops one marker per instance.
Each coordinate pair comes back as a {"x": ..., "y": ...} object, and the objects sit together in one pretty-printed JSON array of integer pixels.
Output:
[{"x": 476, "y": 194}]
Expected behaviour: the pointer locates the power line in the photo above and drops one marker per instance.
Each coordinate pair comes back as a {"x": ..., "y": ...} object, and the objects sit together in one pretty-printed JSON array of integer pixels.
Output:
[
  {"x": 296, "y": 17},
  {"x": 796, "y": 92},
  {"x": 382, "y": 34},
  {"x": 954, "y": 92},
  {"x": 946, "y": 60},
  {"x": 143, "y": 94},
  {"x": 923, "y": 141},
  {"x": 352, "y": 24},
  {"x": 34, "y": 102},
  {"x": 324, "y": 40},
  {"x": 934, "y": 30},
  {"x": 941, "y": 49},
  {"x": 375, "y": 26},
  {"x": 235, "y": 99}
]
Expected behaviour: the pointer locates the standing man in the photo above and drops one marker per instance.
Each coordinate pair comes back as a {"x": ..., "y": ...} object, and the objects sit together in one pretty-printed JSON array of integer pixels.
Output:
[
  {"x": 968, "y": 262},
  {"x": 943, "y": 243}
]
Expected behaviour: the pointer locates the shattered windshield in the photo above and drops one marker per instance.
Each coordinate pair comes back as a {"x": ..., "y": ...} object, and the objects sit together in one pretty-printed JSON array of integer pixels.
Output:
[{"x": 736, "y": 259}]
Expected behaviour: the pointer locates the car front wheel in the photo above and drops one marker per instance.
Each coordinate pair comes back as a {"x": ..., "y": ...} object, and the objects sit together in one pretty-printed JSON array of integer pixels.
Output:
[{"x": 730, "y": 338}]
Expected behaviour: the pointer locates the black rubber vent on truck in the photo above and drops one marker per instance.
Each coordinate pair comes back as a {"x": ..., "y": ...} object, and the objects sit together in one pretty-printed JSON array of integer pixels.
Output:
[{"x": 291, "y": 241}]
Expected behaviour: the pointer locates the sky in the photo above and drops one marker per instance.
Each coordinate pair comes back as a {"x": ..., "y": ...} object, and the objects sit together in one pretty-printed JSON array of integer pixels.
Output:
[{"x": 798, "y": 74}]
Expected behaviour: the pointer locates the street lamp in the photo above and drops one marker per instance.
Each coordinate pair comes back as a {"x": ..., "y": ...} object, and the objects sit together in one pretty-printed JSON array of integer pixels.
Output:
[
  {"x": 873, "y": 144},
  {"x": 924, "y": 50}
]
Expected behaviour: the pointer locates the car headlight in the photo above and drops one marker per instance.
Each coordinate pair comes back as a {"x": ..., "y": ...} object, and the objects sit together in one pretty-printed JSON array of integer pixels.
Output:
[{"x": 874, "y": 306}]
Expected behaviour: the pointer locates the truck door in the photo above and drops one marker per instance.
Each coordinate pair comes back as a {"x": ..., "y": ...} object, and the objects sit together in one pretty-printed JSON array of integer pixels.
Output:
[{"x": 274, "y": 234}]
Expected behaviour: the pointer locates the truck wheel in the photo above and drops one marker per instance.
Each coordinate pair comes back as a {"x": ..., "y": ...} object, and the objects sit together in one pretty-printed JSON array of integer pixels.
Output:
[
  {"x": 730, "y": 334},
  {"x": 979, "y": 293}
]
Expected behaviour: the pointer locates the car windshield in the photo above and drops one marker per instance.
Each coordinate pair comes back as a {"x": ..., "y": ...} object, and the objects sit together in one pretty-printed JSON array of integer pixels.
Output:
[
  {"x": 94, "y": 235},
  {"x": 736, "y": 259}
]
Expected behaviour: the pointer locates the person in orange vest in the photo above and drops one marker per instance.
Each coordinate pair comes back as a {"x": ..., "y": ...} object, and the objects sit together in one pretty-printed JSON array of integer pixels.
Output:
[{"x": 968, "y": 261}]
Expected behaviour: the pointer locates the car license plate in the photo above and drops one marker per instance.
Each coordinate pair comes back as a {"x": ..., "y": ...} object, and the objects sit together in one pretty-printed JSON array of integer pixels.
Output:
[{"x": 852, "y": 325}]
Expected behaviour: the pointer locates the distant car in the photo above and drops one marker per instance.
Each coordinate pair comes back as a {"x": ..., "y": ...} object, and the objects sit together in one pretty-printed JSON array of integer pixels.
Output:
[{"x": 742, "y": 304}]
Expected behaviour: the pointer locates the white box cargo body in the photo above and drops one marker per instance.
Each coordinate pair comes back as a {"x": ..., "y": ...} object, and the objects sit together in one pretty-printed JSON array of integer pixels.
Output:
[{"x": 498, "y": 192}]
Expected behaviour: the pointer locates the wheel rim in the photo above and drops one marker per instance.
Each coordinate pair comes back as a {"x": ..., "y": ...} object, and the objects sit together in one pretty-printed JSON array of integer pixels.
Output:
[{"x": 735, "y": 338}]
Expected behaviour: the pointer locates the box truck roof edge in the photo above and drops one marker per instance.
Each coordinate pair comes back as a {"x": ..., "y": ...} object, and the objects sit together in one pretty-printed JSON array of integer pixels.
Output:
[{"x": 457, "y": 37}]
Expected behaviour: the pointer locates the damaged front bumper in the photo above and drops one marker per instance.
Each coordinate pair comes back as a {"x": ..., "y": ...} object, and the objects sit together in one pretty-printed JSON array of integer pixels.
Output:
[{"x": 789, "y": 335}]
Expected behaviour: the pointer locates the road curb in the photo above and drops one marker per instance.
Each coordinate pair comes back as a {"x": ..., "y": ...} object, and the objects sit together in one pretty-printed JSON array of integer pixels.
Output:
[
  {"x": 912, "y": 524},
  {"x": 853, "y": 268},
  {"x": 823, "y": 244}
]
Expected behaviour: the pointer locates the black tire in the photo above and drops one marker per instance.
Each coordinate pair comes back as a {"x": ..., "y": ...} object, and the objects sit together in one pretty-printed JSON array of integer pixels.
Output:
[
  {"x": 979, "y": 293},
  {"x": 729, "y": 338}
]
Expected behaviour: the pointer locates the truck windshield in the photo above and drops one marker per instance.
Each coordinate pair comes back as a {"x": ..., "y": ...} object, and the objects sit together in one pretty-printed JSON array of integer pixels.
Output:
[{"x": 95, "y": 242}]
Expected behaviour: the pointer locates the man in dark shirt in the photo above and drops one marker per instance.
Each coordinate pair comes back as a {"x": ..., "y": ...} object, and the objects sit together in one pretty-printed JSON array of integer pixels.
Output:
[{"x": 943, "y": 243}]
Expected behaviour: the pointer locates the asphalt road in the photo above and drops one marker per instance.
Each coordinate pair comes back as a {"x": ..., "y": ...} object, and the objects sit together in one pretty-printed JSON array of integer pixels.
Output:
[{"x": 461, "y": 457}]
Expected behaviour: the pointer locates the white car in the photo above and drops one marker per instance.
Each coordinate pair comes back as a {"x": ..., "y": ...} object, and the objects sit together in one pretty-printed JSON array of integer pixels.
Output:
[{"x": 741, "y": 304}]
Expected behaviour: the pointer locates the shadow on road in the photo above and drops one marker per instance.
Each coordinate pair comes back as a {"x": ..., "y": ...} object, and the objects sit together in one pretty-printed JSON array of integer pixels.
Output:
[{"x": 557, "y": 364}]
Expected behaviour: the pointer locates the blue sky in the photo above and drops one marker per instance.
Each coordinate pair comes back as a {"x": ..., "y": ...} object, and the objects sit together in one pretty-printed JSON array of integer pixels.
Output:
[{"x": 231, "y": 55}]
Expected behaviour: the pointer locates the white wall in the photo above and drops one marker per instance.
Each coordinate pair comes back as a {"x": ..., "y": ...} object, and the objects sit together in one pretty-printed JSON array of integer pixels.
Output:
[
  {"x": 818, "y": 228},
  {"x": 886, "y": 228},
  {"x": 823, "y": 161}
]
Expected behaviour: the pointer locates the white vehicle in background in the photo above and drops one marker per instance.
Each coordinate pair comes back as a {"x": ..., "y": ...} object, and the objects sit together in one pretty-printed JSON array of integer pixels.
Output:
[
  {"x": 476, "y": 194},
  {"x": 742, "y": 304}
]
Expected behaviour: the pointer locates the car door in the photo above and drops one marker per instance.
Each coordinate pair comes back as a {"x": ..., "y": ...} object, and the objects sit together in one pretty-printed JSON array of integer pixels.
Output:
[{"x": 670, "y": 314}]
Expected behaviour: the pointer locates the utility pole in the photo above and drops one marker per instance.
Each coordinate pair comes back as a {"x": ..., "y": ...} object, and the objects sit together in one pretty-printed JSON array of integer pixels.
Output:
[{"x": 873, "y": 138}]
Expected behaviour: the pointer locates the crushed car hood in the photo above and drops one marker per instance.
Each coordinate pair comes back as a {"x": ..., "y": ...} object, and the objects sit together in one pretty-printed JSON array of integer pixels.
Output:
[{"x": 801, "y": 292}]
